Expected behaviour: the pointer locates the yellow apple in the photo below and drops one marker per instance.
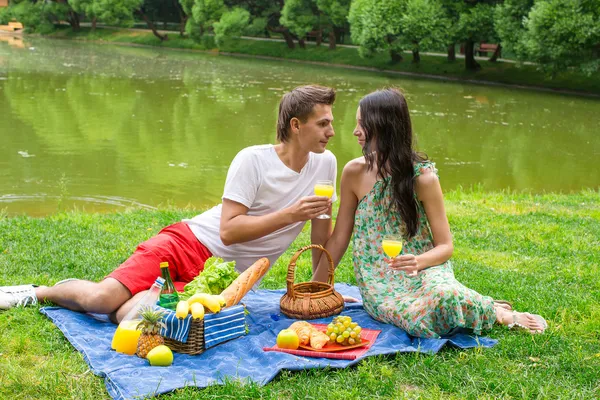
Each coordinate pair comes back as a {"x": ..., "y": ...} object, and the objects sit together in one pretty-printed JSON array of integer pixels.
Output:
[
  {"x": 288, "y": 339},
  {"x": 160, "y": 356}
]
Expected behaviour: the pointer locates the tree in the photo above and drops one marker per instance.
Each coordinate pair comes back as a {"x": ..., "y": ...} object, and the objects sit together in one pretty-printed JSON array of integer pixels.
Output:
[
  {"x": 424, "y": 24},
  {"x": 377, "y": 26},
  {"x": 207, "y": 12},
  {"x": 112, "y": 12},
  {"x": 232, "y": 24},
  {"x": 452, "y": 10},
  {"x": 184, "y": 8},
  {"x": 475, "y": 24},
  {"x": 335, "y": 14},
  {"x": 509, "y": 23},
  {"x": 562, "y": 34},
  {"x": 300, "y": 17},
  {"x": 38, "y": 16},
  {"x": 265, "y": 16}
]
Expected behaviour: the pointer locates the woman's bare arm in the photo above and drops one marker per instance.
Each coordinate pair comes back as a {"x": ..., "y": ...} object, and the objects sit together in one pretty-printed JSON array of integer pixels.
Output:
[
  {"x": 429, "y": 192},
  {"x": 344, "y": 224}
]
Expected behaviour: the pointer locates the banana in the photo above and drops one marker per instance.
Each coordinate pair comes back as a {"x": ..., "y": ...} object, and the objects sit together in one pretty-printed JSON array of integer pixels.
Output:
[
  {"x": 221, "y": 300},
  {"x": 197, "y": 310},
  {"x": 207, "y": 300},
  {"x": 183, "y": 308}
]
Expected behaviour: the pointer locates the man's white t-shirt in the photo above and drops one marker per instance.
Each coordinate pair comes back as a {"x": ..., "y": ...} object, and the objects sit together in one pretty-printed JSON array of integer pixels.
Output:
[{"x": 259, "y": 180}]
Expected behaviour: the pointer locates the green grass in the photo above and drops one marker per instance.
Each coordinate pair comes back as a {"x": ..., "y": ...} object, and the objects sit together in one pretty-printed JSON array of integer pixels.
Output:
[
  {"x": 539, "y": 251},
  {"x": 498, "y": 72}
]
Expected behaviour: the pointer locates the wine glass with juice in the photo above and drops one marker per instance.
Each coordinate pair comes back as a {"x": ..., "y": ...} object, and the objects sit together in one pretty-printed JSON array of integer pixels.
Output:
[
  {"x": 324, "y": 188},
  {"x": 392, "y": 247}
]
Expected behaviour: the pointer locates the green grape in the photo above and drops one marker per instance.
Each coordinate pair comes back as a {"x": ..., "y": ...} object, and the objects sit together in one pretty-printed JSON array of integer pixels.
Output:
[
  {"x": 336, "y": 330},
  {"x": 353, "y": 325},
  {"x": 332, "y": 336},
  {"x": 339, "y": 339},
  {"x": 346, "y": 334},
  {"x": 351, "y": 341},
  {"x": 353, "y": 334},
  {"x": 346, "y": 324},
  {"x": 358, "y": 329}
]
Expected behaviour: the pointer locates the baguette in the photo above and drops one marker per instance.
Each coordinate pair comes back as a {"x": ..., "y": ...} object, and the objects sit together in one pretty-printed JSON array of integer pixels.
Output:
[{"x": 243, "y": 283}]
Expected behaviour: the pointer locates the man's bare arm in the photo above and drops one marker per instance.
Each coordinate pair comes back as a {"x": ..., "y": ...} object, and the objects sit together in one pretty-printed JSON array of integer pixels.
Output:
[{"x": 238, "y": 227}]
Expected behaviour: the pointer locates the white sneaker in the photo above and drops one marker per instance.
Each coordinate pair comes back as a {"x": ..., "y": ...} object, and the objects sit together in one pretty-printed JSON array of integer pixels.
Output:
[{"x": 17, "y": 296}]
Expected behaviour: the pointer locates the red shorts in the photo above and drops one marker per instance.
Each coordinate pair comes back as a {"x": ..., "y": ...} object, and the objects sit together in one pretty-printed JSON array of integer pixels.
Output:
[{"x": 176, "y": 244}]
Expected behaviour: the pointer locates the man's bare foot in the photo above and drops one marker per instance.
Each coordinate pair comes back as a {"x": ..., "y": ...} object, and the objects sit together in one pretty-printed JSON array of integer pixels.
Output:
[{"x": 513, "y": 319}]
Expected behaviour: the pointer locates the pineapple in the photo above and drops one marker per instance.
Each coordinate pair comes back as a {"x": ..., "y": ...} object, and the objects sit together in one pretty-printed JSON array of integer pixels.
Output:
[{"x": 150, "y": 326}]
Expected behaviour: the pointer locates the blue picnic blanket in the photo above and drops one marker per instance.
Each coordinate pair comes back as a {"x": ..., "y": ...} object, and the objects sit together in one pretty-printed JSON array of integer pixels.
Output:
[{"x": 129, "y": 377}]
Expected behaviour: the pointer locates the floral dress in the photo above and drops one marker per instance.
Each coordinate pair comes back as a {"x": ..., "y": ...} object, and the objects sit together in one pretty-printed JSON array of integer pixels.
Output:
[{"x": 428, "y": 305}]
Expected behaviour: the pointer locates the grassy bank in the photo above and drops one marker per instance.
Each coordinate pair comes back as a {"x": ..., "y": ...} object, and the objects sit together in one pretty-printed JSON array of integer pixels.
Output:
[
  {"x": 498, "y": 72},
  {"x": 541, "y": 252}
]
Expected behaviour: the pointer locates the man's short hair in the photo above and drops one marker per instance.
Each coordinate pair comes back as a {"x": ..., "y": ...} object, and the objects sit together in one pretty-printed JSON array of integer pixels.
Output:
[{"x": 299, "y": 103}]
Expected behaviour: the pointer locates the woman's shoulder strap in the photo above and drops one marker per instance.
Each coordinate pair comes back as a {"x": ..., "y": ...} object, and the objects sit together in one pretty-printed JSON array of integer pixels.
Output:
[{"x": 422, "y": 166}]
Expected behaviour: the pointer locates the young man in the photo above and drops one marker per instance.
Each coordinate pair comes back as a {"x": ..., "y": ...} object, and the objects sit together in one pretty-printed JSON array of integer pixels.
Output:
[{"x": 266, "y": 202}]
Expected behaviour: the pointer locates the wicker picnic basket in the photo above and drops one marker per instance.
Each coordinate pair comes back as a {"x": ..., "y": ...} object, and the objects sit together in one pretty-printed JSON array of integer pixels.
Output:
[
  {"x": 310, "y": 300},
  {"x": 195, "y": 340}
]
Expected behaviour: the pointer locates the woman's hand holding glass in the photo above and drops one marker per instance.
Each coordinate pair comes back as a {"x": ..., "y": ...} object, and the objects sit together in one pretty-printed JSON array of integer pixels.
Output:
[
  {"x": 392, "y": 246},
  {"x": 405, "y": 262}
]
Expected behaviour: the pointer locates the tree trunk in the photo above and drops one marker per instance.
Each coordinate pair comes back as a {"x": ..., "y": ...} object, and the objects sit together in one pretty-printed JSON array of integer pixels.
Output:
[
  {"x": 339, "y": 35},
  {"x": 289, "y": 39},
  {"x": 470, "y": 63},
  {"x": 396, "y": 56},
  {"x": 182, "y": 25},
  {"x": 496, "y": 54},
  {"x": 151, "y": 26},
  {"x": 416, "y": 56},
  {"x": 94, "y": 20},
  {"x": 331, "y": 39},
  {"x": 451, "y": 52},
  {"x": 182, "y": 17},
  {"x": 319, "y": 37},
  {"x": 74, "y": 21},
  {"x": 301, "y": 43}
]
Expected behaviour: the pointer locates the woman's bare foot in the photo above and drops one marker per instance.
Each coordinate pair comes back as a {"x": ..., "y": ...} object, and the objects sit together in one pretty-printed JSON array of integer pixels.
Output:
[
  {"x": 513, "y": 319},
  {"x": 507, "y": 305}
]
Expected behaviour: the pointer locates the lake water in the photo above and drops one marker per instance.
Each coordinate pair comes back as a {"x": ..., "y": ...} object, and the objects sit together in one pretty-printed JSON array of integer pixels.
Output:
[{"x": 102, "y": 127}]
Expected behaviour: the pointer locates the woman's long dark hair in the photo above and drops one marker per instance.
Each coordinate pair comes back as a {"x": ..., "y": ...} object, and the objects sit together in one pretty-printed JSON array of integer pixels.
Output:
[{"x": 385, "y": 120}]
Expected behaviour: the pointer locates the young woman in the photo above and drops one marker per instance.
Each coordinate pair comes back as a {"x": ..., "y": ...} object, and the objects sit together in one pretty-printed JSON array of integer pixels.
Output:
[{"x": 392, "y": 190}]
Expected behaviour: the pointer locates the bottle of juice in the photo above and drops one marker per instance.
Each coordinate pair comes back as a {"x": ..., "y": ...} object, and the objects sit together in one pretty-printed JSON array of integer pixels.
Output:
[
  {"x": 126, "y": 336},
  {"x": 168, "y": 295}
]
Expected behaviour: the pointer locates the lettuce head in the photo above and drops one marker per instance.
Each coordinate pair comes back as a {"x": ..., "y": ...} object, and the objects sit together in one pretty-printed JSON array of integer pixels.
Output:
[{"x": 216, "y": 276}]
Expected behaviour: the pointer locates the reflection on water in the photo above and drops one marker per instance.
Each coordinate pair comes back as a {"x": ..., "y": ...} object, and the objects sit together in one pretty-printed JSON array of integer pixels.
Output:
[
  {"x": 12, "y": 40},
  {"x": 104, "y": 127}
]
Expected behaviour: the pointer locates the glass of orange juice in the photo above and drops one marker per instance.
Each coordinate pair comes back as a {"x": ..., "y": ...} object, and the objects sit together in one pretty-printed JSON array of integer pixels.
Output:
[
  {"x": 392, "y": 247},
  {"x": 126, "y": 337},
  {"x": 324, "y": 188}
]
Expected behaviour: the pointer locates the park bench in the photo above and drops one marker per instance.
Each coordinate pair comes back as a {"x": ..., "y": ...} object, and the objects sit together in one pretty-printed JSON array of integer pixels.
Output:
[
  {"x": 12, "y": 26},
  {"x": 485, "y": 48},
  {"x": 16, "y": 25}
]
